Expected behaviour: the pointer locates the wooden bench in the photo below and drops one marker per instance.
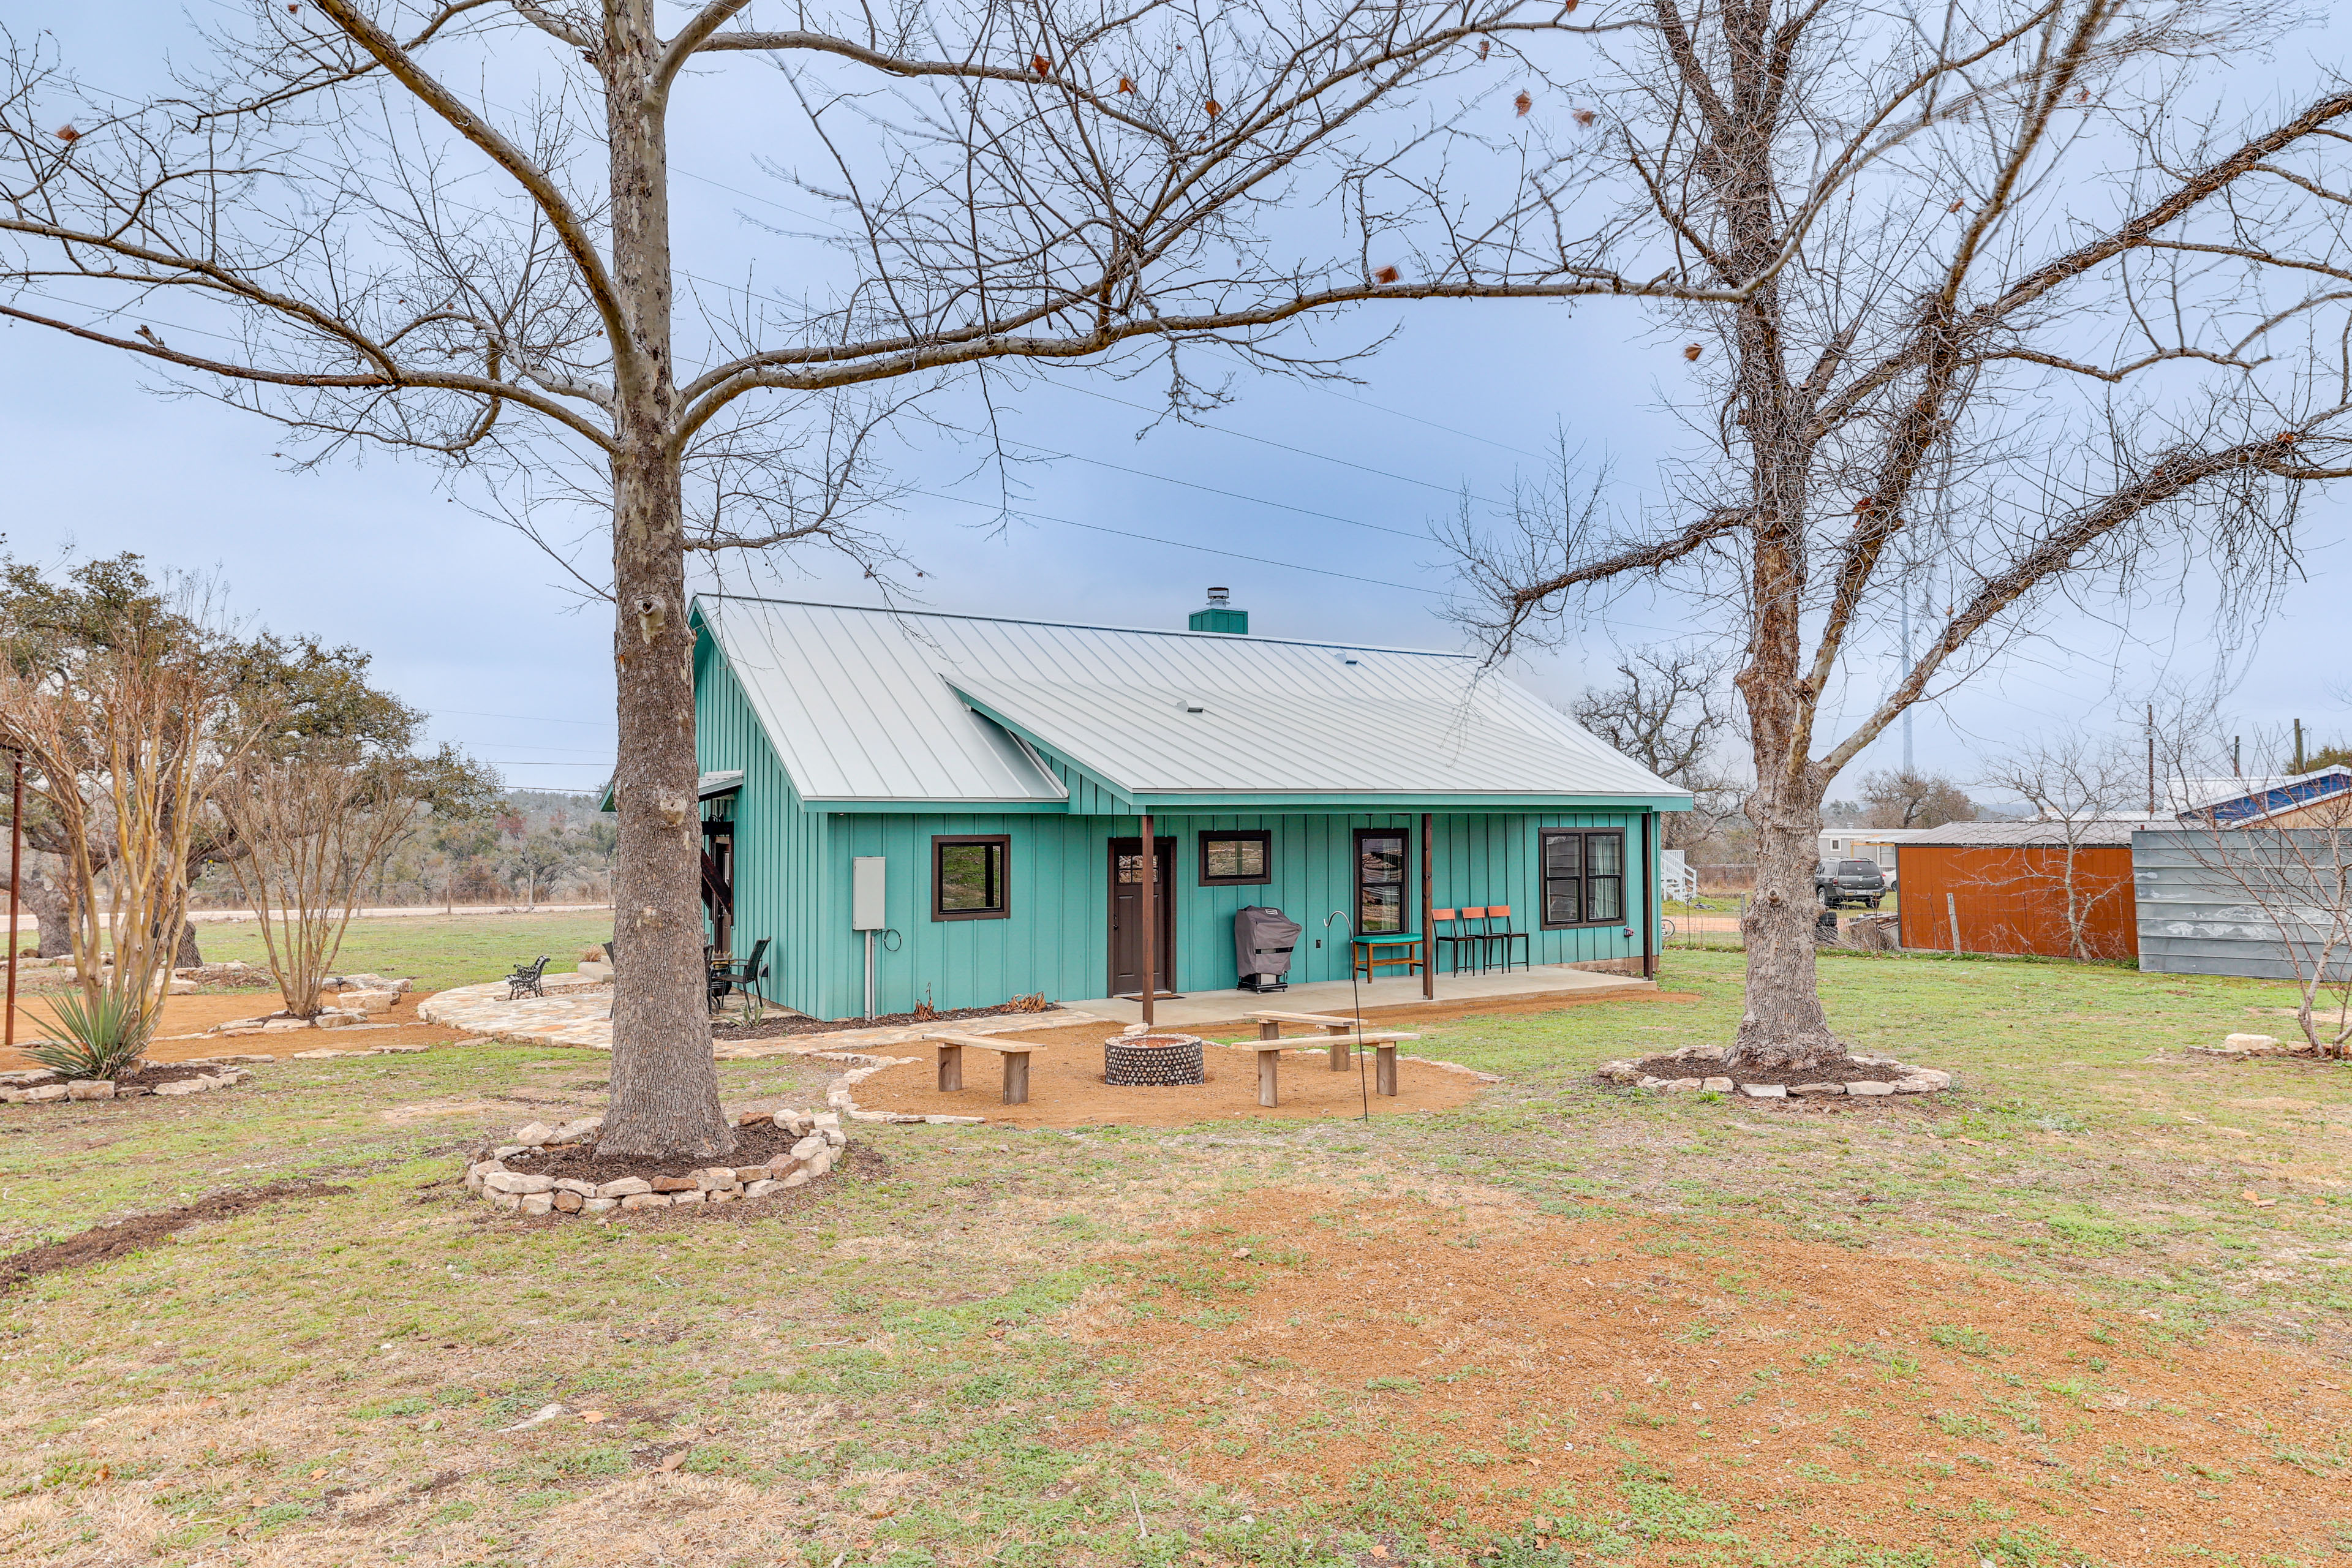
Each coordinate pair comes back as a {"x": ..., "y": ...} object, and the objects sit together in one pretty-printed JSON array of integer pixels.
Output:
[
  {"x": 1384, "y": 1042},
  {"x": 1014, "y": 1052},
  {"x": 1373, "y": 954},
  {"x": 1269, "y": 1027}
]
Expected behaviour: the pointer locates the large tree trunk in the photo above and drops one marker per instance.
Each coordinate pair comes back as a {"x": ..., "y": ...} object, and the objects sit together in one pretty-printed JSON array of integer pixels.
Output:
[
  {"x": 1783, "y": 1026},
  {"x": 51, "y": 903},
  {"x": 665, "y": 1094},
  {"x": 188, "y": 954}
]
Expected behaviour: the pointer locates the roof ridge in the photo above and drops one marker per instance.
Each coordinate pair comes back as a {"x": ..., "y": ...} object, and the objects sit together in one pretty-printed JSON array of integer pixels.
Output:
[{"x": 1085, "y": 626}]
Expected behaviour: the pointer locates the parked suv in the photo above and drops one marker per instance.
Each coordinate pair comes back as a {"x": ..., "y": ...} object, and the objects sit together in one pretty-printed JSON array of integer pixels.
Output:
[{"x": 1840, "y": 882}]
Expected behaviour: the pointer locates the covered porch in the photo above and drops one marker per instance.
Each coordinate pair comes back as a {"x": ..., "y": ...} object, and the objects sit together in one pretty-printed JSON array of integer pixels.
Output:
[{"x": 1197, "y": 1008}]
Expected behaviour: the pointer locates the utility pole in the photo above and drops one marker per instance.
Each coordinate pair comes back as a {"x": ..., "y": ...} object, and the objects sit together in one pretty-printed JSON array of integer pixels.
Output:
[
  {"x": 2151, "y": 762},
  {"x": 2298, "y": 745}
]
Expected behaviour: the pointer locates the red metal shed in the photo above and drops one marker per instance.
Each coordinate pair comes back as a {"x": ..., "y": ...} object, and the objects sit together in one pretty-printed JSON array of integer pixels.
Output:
[{"x": 2064, "y": 890}]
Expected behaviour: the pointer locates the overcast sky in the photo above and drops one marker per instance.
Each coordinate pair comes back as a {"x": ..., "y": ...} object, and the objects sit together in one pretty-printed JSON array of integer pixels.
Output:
[{"x": 1311, "y": 503}]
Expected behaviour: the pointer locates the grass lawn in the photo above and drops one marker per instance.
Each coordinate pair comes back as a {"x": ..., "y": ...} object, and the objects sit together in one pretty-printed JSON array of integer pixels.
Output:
[
  {"x": 2091, "y": 1306},
  {"x": 439, "y": 951}
]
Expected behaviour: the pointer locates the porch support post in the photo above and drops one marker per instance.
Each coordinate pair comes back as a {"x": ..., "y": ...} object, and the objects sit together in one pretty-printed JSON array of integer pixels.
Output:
[
  {"x": 1649, "y": 918},
  {"x": 1150, "y": 916},
  {"x": 1428, "y": 927}
]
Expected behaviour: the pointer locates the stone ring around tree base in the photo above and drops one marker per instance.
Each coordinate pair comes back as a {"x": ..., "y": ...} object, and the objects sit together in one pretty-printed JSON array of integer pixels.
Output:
[
  {"x": 807, "y": 1148},
  {"x": 1697, "y": 1069}
]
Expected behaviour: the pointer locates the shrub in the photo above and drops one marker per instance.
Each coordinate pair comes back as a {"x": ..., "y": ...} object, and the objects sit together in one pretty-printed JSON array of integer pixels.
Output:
[{"x": 105, "y": 1034}]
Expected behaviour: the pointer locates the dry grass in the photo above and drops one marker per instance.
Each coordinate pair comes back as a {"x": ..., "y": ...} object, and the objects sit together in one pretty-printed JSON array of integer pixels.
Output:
[{"x": 994, "y": 1349}]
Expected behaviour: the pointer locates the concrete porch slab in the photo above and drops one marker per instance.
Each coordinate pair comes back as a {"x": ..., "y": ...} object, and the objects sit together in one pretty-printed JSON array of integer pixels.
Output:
[{"x": 1198, "y": 1008}]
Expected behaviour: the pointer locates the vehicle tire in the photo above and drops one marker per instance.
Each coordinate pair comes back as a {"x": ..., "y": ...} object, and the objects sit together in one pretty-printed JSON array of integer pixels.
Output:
[{"x": 1872, "y": 902}]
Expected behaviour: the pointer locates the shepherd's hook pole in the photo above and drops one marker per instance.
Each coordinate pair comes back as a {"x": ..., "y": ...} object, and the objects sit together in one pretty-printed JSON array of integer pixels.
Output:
[
  {"x": 16, "y": 859},
  {"x": 1356, "y": 992}
]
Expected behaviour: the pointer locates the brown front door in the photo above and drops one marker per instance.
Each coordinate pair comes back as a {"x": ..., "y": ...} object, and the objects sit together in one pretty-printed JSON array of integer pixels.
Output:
[{"x": 1127, "y": 918}]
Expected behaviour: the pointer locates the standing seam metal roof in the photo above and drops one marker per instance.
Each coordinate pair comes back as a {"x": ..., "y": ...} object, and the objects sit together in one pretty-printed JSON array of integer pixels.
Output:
[{"x": 875, "y": 705}]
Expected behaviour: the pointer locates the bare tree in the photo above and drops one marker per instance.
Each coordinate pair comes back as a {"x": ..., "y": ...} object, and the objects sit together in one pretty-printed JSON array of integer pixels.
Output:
[
  {"x": 391, "y": 256},
  {"x": 2026, "y": 330},
  {"x": 2282, "y": 886},
  {"x": 1671, "y": 710},
  {"x": 2079, "y": 788},
  {"x": 1902, "y": 798},
  {"x": 124, "y": 742},
  {"x": 313, "y": 821}
]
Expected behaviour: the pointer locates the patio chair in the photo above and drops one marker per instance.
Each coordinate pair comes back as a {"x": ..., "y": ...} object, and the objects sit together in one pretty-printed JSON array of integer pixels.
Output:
[
  {"x": 1456, "y": 940},
  {"x": 528, "y": 980},
  {"x": 1503, "y": 936},
  {"x": 743, "y": 977}
]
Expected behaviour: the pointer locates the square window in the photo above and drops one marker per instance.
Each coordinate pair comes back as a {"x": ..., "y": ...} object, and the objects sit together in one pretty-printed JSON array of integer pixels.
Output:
[
  {"x": 1583, "y": 876},
  {"x": 1230, "y": 859},
  {"x": 968, "y": 878}
]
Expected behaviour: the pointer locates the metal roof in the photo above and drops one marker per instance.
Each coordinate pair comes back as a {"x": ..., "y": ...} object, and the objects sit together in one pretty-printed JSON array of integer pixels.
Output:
[
  {"x": 879, "y": 705},
  {"x": 2247, "y": 799},
  {"x": 2105, "y": 833}
]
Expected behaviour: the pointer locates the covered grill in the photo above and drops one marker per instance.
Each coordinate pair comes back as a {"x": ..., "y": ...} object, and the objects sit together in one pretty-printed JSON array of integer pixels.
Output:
[{"x": 1264, "y": 940}]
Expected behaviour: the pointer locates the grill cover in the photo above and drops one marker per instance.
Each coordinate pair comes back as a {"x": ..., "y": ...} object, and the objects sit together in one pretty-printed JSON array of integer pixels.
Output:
[{"x": 1264, "y": 938}]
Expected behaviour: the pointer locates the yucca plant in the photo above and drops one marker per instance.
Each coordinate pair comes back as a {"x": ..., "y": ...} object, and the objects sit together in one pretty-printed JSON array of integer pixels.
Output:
[{"x": 105, "y": 1035}]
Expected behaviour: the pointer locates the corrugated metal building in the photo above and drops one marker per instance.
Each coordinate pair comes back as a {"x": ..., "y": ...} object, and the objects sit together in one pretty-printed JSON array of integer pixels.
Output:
[
  {"x": 1000, "y": 772},
  {"x": 2061, "y": 889},
  {"x": 2250, "y": 901}
]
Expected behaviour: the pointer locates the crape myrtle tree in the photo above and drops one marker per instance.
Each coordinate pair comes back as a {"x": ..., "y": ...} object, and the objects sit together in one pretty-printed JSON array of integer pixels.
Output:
[
  {"x": 2033, "y": 341},
  {"x": 447, "y": 229}
]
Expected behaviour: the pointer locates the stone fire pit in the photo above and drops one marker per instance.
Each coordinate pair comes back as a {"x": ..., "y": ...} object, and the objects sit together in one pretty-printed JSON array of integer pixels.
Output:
[{"x": 1153, "y": 1061}]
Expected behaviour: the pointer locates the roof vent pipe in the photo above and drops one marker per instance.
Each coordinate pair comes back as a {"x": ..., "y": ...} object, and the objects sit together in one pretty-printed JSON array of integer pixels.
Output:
[{"x": 1219, "y": 615}]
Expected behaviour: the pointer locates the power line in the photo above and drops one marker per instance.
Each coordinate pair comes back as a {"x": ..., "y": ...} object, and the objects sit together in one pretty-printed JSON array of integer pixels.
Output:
[{"x": 1178, "y": 543}]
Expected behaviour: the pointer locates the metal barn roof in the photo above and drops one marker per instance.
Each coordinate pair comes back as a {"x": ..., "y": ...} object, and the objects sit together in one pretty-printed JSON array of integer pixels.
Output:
[{"x": 865, "y": 705}]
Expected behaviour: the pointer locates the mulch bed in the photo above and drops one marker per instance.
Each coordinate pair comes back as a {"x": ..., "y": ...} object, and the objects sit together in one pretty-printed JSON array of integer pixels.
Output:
[
  {"x": 149, "y": 1074},
  {"x": 1668, "y": 1067},
  {"x": 773, "y": 1029},
  {"x": 106, "y": 1241},
  {"x": 754, "y": 1145}
]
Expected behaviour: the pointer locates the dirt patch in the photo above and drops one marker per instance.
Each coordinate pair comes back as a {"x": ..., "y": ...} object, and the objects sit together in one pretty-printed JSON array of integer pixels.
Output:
[
  {"x": 191, "y": 1016},
  {"x": 754, "y": 1145},
  {"x": 106, "y": 1241},
  {"x": 1620, "y": 1385},
  {"x": 1067, "y": 1087},
  {"x": 776, "y": 1028},
  {"x": 1669, "y": 1067}
]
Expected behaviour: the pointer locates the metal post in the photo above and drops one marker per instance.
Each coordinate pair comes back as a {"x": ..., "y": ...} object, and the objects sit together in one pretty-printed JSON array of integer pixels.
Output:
[
  {"x": 1150, "y": 916},
  {"x": 15, "y": 860},
  {"x": 1649, "y": 918},
  {"x": 1428, "y": 927}
]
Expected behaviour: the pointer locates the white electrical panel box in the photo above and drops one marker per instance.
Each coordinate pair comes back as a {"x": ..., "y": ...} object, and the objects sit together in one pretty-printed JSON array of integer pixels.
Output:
[{"x": 865, "y": 892}]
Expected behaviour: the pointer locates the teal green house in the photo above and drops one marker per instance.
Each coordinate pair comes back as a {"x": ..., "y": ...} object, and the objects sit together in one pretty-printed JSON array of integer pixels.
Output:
[{"x": 953, "y": 809}]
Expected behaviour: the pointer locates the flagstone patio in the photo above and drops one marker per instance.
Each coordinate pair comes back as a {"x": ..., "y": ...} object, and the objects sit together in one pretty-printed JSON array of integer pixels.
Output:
[{"x": 578, "y": 1011}]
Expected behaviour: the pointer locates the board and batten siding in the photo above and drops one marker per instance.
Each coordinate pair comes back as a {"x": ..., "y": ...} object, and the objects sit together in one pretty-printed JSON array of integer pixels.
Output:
[
  {"x": 781, "y": 866},
  {"x": 2198, "y": 915},
  {"x": 1055, "y": 937}
]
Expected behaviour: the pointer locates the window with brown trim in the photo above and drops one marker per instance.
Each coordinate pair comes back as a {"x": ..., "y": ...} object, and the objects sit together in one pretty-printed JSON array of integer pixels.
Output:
[
  {"x": 1384, "y": 901},
  {"x": 1583, "y": 876},
  {"x": 1232, "y": 859},
  {"x": 969, "y": 881}
]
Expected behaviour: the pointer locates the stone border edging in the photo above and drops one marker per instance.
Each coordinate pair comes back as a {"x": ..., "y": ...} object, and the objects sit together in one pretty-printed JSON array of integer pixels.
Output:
[
  {"x": 1914, "y": 1079},
  {"x": 821, "y": 1146}
]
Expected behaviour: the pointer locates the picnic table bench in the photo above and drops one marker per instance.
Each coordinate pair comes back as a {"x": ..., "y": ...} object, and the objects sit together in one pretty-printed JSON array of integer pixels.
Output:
[
  {"x": 1346, "y": 1034},
  {"x": 1014, "y": 1052}
]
